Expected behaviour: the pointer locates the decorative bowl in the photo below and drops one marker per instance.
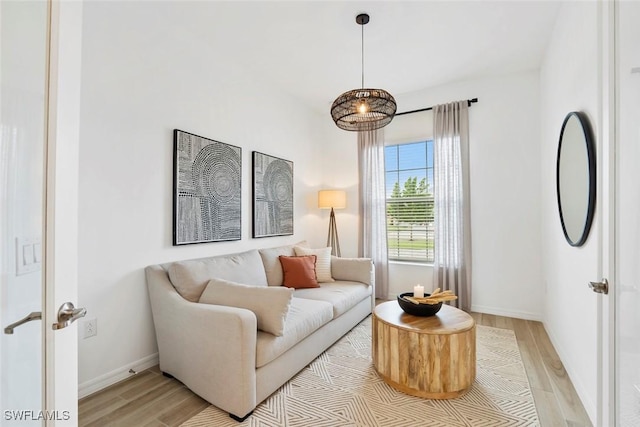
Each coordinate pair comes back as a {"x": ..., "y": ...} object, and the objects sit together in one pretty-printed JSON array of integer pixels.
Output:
[{"x": 417, "y": 309}]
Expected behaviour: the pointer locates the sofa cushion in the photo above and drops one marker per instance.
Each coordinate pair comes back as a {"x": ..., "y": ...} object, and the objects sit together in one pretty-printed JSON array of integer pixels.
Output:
[
  {"x": 268, "y": 303},
  {"x": 323, "y": 263},
  {"x": 352, "y": 269},
  {"x": 271, "y": 262},
  {"x": 191, "y": 277},
  {"x": 342, "y": 295},
  {"x": 305, "y": 317},
  {"x": 299, "y": 271}
]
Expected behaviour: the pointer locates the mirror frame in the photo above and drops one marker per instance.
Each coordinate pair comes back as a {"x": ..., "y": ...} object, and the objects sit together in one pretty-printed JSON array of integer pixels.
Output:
[{"x": 591, "y": 159}]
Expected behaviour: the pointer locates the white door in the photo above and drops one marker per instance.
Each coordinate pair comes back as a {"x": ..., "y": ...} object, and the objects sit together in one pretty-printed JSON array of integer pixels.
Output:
[
  {"x": 39, "y": 101},
  {"x": 627, "y": 219},
  {"x": 23, "y": 71}
]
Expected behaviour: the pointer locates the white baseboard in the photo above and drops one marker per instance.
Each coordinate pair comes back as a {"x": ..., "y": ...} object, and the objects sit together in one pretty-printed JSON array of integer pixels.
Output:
[
  {"x": 507, "y": 313},
  {"x": 110, "y": 378}
]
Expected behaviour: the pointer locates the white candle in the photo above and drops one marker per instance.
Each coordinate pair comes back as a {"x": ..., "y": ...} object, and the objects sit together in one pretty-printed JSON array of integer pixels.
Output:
[{"x": 418, "y": 291}]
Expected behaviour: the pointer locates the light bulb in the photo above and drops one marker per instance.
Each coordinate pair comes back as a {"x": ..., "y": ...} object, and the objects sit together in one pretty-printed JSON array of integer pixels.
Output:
[{"x": 363, "y": 107}]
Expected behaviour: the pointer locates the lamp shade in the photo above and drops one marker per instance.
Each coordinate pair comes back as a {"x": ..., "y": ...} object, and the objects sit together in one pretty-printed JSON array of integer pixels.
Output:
[
  {"x": 328, "y": 199},
  {"x": 363, "y": 109}
]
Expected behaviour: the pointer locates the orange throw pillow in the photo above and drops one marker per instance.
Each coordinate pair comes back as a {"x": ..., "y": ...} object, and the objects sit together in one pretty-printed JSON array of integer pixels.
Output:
[{"x": 299, "y": 271}]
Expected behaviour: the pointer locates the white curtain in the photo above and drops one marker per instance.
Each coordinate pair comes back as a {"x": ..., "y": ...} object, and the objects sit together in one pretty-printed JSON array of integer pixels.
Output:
[
  {"x": 373, "y": 221},
  {"x": 452, "y": 253}
]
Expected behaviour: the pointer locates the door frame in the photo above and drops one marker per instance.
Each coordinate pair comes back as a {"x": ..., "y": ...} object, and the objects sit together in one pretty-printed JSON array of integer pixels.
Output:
[
  {"x": 61, "y": 209},
  {"x": 606, "y": 413}
]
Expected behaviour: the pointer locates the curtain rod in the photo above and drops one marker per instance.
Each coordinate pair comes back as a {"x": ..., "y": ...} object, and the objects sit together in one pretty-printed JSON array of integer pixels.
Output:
[{"x": 469, "y": 102}]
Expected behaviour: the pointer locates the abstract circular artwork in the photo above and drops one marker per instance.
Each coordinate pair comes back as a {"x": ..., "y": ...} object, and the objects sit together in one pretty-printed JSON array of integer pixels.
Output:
[
  {"x": 207, "y": 190},
  {"x": 272, "y": 196}
]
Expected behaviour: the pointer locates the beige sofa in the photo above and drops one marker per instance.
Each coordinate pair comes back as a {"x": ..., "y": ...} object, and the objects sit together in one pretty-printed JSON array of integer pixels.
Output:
[{"x": 219, "y": 353}]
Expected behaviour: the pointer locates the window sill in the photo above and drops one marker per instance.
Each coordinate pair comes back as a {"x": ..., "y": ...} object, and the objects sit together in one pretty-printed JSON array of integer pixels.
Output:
[{"x": 413, "y": 263}]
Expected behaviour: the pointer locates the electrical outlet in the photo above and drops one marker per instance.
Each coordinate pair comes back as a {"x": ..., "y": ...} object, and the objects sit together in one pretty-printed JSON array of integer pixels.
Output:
[{"x": 90, "y": 328}]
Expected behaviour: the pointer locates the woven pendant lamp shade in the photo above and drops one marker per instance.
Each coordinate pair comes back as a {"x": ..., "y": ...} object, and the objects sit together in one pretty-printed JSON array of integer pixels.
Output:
[
  {"x": 363, "y": 109},
  {"x": 378, "y": 105}
]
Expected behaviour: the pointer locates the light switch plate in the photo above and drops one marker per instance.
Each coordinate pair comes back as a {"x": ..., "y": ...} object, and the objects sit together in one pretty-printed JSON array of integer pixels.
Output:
[{"x": 28, "y": 255}]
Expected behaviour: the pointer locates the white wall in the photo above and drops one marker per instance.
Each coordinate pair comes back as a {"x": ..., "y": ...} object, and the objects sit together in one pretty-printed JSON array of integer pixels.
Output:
[
  {"x": 137, "y": 86},
  {"x": 339, "y": 160},
  {"x": 505, "y": 190},
  {"x": 569, "y": 81}
]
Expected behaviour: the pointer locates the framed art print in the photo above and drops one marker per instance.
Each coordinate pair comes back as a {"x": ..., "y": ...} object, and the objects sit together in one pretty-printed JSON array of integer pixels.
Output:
[
  {"x": 207, "y": 177},
  {"x": 272, "y": 196}
]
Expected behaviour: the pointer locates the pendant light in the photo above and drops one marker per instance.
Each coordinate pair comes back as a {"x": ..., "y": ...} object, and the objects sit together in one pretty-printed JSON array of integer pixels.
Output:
[{"x": 363, "y": 109}]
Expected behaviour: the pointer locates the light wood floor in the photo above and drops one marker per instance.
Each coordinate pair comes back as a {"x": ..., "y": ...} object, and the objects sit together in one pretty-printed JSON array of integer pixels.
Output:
[
  {"x": 152, "y": 400},
  {"x": 556, "y": 399}
]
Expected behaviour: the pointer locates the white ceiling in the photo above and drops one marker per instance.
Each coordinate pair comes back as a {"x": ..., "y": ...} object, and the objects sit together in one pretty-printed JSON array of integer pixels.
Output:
[{"x": 311, "y": 49}]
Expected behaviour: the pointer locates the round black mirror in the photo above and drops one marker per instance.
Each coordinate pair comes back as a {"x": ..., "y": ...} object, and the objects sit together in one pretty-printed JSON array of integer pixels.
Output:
[{"x": 576, "y": 178}]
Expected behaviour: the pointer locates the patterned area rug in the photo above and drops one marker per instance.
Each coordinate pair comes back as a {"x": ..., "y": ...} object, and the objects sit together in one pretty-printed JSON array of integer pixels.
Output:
[{"x": 341, "y": 388}]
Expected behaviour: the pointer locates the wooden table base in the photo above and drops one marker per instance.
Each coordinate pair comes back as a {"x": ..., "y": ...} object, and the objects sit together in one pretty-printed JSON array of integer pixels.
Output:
[{"x": 432, "y": 357}]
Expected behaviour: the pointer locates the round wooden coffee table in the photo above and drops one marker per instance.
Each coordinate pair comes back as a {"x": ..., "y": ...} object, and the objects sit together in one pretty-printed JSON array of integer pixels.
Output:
[{"x": 432, "y": 357}]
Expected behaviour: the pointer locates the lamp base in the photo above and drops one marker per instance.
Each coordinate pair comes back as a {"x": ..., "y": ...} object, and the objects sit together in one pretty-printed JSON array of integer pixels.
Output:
[{"x": 332, "y": 236}]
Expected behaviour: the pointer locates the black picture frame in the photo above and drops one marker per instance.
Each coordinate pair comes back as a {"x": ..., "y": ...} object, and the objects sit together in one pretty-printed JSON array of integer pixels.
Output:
[
  {"x": 207, "y": 190},
  {"x": 272, "y": 196}
]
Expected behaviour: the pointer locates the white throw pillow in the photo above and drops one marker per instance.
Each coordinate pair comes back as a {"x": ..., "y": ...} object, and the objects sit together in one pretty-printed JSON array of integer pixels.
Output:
[
  {"x": 323, "y": 262},
  {"x": 270, "y": 304}
]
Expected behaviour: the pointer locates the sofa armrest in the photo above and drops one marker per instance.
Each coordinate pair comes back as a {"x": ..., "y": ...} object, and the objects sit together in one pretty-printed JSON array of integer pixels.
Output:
[
  {"x": 353, "y": 269},
  {"x": 207, "y": 347}
]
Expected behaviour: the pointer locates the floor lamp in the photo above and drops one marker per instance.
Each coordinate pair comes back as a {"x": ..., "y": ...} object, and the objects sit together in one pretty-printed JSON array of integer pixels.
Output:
[{"x": 332, "y": 199}]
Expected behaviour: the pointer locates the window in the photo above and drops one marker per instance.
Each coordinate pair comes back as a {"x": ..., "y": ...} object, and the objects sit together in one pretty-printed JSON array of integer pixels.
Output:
[{"x": 409, "y": 188}]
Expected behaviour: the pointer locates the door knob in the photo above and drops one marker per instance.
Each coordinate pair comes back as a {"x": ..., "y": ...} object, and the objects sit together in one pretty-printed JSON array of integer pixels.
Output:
[
  {"x": 601, "y": 287},
  {"x": 67, "y": 314}
]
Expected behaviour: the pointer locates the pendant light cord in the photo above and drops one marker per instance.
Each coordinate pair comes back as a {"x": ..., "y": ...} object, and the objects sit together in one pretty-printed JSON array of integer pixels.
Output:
[{"x": 362, "y": 53}]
